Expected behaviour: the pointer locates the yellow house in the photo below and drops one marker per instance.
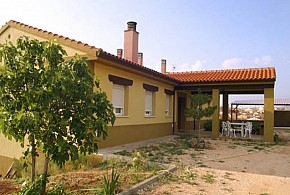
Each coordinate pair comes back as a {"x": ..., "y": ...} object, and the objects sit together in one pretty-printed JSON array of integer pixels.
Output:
[{"x": 147, "y": 103}]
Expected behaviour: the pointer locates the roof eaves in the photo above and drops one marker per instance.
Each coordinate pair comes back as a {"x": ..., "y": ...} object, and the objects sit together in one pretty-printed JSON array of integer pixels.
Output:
[{"x": 227, "y": 81}]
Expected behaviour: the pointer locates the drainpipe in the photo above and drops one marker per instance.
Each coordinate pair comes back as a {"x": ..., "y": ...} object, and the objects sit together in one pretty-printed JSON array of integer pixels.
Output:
[{"x": 173, "y": 118}]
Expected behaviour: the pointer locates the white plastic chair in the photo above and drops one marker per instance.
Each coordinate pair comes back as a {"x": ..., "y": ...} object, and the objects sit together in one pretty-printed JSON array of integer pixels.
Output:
[
  {"x": 224, "y": 128},
  {"x": 231, "y": 131},
  {"x": 248, "y": 129}
]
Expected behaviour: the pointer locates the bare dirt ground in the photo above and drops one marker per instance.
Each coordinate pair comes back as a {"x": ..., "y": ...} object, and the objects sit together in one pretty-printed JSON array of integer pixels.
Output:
[{"x": 232, "y": 167}]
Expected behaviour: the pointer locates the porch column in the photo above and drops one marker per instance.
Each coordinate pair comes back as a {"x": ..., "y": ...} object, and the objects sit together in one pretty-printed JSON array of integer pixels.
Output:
[
  {"x": 269, "y": 114},
  {"x": 215, "y": 116},
  {"x": 225, "y": 107}
]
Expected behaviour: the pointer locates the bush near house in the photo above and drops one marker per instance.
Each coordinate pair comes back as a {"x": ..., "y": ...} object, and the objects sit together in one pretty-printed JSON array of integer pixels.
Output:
[{"x": 208, "y": 125}]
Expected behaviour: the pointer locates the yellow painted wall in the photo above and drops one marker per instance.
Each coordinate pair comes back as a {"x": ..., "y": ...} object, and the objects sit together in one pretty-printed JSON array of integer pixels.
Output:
[
  {"x": 9, "y": 148},
  {"x": 136, "y": 96},
  {"x": 5, "y": 163},
  {"x": 119, "y": 135},
  {"x": 135, "y": 126}
]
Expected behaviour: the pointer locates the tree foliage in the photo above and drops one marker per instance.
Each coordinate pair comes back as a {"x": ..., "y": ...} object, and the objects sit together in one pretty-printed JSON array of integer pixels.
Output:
[{"x": 53, "y": 103}]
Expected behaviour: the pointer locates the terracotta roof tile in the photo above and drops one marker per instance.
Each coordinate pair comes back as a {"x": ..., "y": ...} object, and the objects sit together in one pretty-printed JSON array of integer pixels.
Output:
[{"x": 249, "y": 74}]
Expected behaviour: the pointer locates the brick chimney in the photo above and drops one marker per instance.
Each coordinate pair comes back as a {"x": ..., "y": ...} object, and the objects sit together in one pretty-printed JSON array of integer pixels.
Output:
[
  {"x": 163, "y": 66},
  {"x": 131, "y": 42},
  {"x": 120, "y": 53},
  {"x": 140, "y": 58}
]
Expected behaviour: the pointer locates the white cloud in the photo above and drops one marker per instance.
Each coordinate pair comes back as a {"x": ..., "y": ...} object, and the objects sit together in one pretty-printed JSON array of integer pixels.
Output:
[
  {"x": 198, "y": 65},
  {"x": 247, "y": 63},
  {"x": 263, "y": 61},
  {"x": 233, "y": 63}
]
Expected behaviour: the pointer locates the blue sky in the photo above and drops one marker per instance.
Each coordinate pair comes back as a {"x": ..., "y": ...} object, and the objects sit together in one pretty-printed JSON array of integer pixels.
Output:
[{"x": 189, "y": 34}]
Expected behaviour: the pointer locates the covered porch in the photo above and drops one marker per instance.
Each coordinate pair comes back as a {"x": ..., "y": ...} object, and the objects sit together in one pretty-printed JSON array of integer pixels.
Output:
[{"x": 225, "y": 83}]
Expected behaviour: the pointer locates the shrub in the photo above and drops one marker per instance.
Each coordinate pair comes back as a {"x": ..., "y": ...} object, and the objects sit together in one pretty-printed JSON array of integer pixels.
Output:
[
  {"x": 207, "y": 125},
  {"x": 276, "y": 138},
  {"x": 256, "y": 128}
]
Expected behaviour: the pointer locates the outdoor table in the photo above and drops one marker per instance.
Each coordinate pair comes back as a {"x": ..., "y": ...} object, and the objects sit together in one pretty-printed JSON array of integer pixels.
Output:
[{"x": 241, "y": 124}]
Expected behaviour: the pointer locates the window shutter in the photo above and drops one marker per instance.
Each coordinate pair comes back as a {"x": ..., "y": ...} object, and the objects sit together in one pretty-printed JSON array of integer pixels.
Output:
[
  {"x": 148, "y": 101},
  {"x": 118, "y": 96},
  {"x": 167, "y": 102}
]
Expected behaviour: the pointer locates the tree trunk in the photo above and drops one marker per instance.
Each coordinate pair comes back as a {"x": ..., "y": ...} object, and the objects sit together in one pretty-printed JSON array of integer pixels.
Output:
[
  {"x": 33, "y": 159},
  {"x": 44, "y": 175},
  {"x": 198, "y": 129}
]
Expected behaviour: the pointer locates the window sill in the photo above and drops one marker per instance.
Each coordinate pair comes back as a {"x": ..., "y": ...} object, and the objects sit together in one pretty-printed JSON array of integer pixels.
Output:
[
  {"x": 150, "y": 116},
  {"x": 121, "y": 116}
]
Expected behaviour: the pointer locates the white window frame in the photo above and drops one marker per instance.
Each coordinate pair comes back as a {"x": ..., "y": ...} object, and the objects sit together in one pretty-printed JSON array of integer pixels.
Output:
[
  {"x": 148, "y": 103},
  {"x": 118, "y": 99}
]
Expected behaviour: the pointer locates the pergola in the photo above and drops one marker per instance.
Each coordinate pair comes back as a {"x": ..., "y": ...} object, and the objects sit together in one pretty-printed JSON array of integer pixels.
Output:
[
  {"x": 227, "y": 82},
  {"x": 277, "y": 102}
]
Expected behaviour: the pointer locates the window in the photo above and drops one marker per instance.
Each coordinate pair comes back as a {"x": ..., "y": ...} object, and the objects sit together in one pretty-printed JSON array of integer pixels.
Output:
[
  {"x": 118, "y": 97},
  {"x": 167, "y": 105},
  {"x": 120, "y": 94},
  {"x": 150, "y": 99},
  {"x": 148, "y": 103}
]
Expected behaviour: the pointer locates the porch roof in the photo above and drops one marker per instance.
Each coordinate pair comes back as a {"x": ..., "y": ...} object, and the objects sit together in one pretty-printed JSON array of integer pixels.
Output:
[{"x": 228, "y": 75}]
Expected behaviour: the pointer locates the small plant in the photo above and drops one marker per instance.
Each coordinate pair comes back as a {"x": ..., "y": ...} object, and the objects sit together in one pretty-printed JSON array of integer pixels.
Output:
[
  {"x": 110, "y": 183},
  {"x": 208, "y": 178},
  {"x": 31, "y": 188},
  {"x": 36, "y": 187},
  {"x": 139, "y": 161},
  {"x": 57, "y": 189}
]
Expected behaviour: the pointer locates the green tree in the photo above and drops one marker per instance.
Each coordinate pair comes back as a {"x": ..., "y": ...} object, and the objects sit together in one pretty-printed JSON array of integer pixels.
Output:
[
  {"x": 54, "y": 104},
  {"x": 199, "y": 107}
]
